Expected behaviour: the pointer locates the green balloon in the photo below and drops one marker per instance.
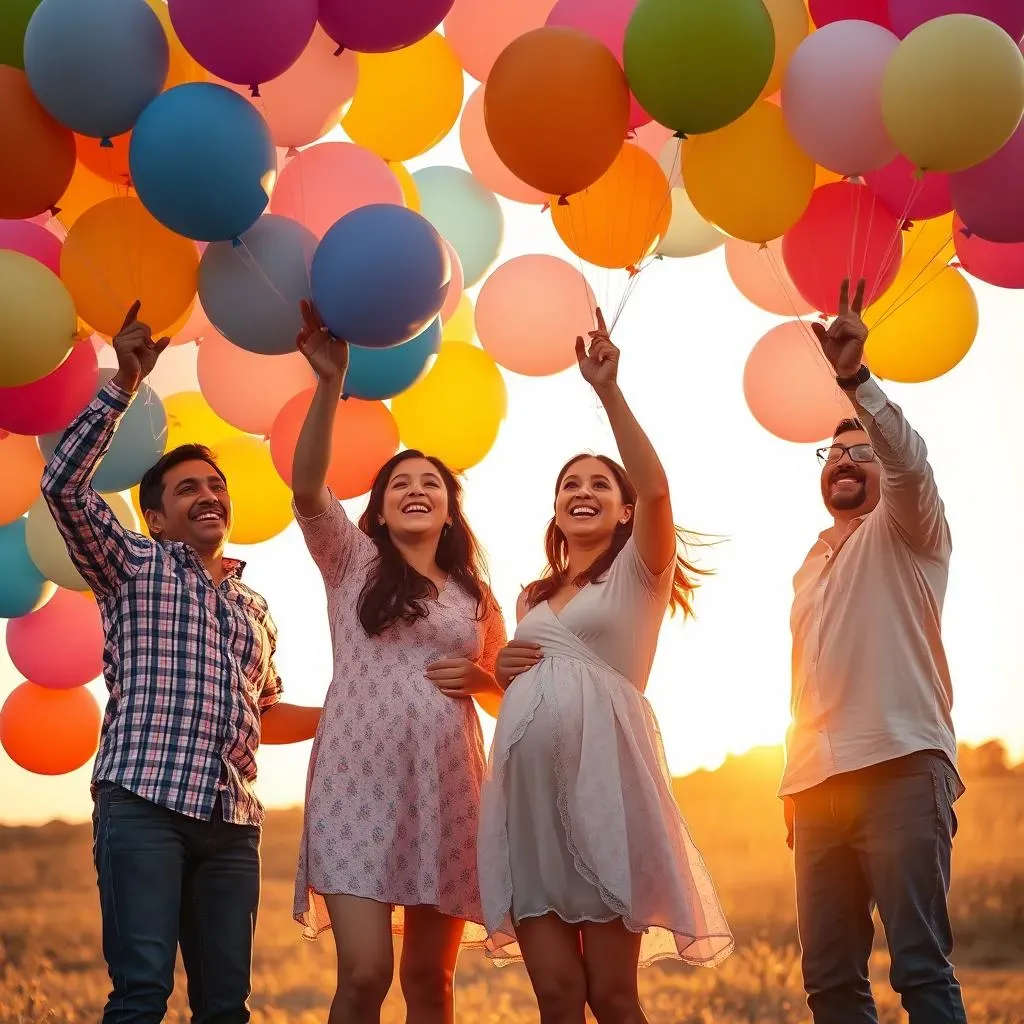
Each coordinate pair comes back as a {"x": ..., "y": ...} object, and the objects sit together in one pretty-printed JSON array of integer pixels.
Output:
[
  {"x": 14, "y": 19},
  {"x": 697, "y": 65}
]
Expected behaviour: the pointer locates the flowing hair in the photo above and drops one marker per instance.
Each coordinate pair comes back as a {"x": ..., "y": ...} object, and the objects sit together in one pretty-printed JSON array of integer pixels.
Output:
[
  {"x": 394, "y": 591},
  {"x": 556, "y": 548}
]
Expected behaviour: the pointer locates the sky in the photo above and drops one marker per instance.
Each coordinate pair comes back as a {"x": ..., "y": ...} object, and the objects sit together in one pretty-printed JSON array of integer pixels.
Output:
[{"x": 720, "y": 683}]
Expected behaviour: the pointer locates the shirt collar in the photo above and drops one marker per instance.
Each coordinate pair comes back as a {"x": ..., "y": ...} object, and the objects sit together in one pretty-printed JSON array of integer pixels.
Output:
[{"x": 233, "y": 567}]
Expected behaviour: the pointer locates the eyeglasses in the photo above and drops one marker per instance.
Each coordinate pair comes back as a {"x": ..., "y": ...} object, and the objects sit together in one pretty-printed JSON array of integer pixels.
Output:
[{"x": 857, "y": 453}]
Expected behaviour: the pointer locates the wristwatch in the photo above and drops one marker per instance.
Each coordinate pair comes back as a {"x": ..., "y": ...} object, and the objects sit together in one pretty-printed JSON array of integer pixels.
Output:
[{"x": 854, "y": 382}]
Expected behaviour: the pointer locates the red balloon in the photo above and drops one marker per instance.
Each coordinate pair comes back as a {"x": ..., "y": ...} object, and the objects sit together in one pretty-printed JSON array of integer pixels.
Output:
[
  {"x": 906, "y": 195},
  {"x": 998, "y": 263},
  {"x": 844, "y": 233},
  {"x": 51, "y": 403},
  {"x": 60, "y": 645},
  {"x": 824, "y": 12}
]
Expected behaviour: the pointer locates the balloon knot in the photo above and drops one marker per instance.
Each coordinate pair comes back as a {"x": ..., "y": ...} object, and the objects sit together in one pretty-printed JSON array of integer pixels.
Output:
[
  {"x": 823, "y": 317},
  {"x": 906, "y": 225},
  {"x": 4, "y": 434},
  {"x": 957, "y": 265},
  {"x": 292, "y": 151},
  {"x": 633, "y": 270},
  {"x": 659, "y": 255},
  {"x": 563, "y": 201},
  {"x": 254, "y": 91},
  {"x": 630, "y": 133},
  {"x": 545, "y": 208},
  {"x": 681, "y": 135},
  {"x": 966, "y": 232},
  {"x": 762, "y": 247},
  {"x": 105, "y": 143},
  {"x": 54, "y": 211},
  {"x": 339, "y": 51},
  {"x": 236, "y": 242},
  {"x": 345, "y": 397},
  {"x": 919, "y": 173}
]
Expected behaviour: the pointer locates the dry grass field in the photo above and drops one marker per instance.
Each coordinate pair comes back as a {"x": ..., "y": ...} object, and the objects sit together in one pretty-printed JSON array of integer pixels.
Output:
[{"x": 51, "y": 969}]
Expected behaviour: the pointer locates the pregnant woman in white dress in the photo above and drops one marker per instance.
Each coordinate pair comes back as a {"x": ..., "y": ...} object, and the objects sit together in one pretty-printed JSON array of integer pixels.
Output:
[{"x": 586, "y": 866}]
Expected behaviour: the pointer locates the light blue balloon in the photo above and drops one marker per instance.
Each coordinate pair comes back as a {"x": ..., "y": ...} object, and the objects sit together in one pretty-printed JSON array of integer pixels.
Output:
[
  {"x": 138, "y": 441},
  {"x": 380, "y": 275},
  {"x": 201, "y": 160},
  {"x": 23, "y": 588},
  {"x": 251, "y": 290},
  {"x": 96, "y": 64},
  {"x": 378, "y": 373},
  {"x": 466, "y": 214}
]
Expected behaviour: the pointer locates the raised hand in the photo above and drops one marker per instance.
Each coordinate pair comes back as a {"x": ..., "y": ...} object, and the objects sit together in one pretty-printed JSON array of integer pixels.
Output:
[
  {"x": 460, "y": 677},
  {"x": 136, "y": 350},
  {"x": 515, "y": 659},
  {"x": 600, "y": 364},
  {"x": 843, "y": 340},
  {"x": 326, "y": 354}
]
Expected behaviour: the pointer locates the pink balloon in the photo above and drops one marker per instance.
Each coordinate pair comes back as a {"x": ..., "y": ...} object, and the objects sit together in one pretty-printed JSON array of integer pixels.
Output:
[
  {"x": 530, "y": 312},
  {"x": 1001, "y": 264},
  {"x": 652, "y": 137},
  {"x": 249, "y": 390},
  {"x": 840, "y": 68},
  {"x": 31, "y": 240},
  {"x": 59, "y": 646},
  {"x": 761, "y": 277},
  {"x": 789, "y": 387},
  {"x": 485, "y": 164},
  {"x": 989, "y": 197},
  {"x": 379, "y": 26},
  {"x": 605, "y": 20},
  {"x": 457, "y": 286},
  {"x": 321, "y": 184},
  {"x": 196, "y": 328},
  {"x": 309, "y": 99},
  {"x": 906, "y": 15},
  {"x": 478, "y": 30},
  {"x": 908, "y": 196},
  {"x": 824, "y": 12},
  {"x": 51, "y": 403},
  {"x": 244, "y": 41}
]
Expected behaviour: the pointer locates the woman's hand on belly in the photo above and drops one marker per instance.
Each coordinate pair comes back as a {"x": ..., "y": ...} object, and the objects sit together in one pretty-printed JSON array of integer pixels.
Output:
[
  {"x": 460, "y": 677},
  {"x": 517, "y": 657}
]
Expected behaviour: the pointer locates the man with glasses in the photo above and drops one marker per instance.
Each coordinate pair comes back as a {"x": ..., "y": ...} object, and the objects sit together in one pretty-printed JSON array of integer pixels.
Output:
[{"x": 870, "y": 780}]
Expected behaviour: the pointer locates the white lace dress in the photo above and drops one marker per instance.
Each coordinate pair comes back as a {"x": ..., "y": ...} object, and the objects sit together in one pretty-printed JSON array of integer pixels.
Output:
[{"x": 577, "y": 815}]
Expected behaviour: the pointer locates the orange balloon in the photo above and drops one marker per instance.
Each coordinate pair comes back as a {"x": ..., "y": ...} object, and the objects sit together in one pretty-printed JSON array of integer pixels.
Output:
[
  {"x": 118, "y": 252},
  {"x": 50, "y": 732},
  {"x": 38, "y": 153},
  {"x": 21, "y": 469},
  {"x": 622, "y": 217},
  {"x": 365, "y": 436},
  {"x": 556, "y": 107},
  {"x": 108, "y": 162},
  {"x": 86, "y": 190},
  {"x": 478, "y": 30}
]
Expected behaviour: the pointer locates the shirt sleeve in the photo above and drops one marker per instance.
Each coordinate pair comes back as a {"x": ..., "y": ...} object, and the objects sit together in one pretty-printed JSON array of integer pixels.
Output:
[
  {"x": 910, "y": 496},
  {"x": 103, "y": 551},
  {"x": 495, "y": 637},
  {"x": 273, "y": 688},
  {"x": 333, "y": 540}
]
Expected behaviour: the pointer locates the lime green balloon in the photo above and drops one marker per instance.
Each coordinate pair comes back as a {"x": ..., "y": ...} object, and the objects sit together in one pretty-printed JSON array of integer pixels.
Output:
[
  {"x": 14, "y": 18},
  {"x": 697, "y": 65}
]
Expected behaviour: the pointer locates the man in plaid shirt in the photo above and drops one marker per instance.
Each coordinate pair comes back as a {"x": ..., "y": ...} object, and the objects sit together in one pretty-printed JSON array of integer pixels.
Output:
[{"x": 189, "y": 663}]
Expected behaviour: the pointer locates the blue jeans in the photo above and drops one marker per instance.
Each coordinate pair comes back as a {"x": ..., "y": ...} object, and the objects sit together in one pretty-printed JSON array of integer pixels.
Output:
[
  {"x": 167, "y": 880},
  {"x": 882, "y": 836}
]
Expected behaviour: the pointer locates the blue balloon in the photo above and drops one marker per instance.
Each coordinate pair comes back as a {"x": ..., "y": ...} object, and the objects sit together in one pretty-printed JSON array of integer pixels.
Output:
[
  {"x": 380, "y": 275},
  {"x": 96, "y": 65},
  {"x": 378, "y": 373},
  {"x": 138, "y": 441},
  {"x": 23, "y": 588},
  {"x": 202, "y": 160}
]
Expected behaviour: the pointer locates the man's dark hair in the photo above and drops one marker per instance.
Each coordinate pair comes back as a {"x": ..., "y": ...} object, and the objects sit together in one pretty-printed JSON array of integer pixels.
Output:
[
  {"x": 845, "y": 426},
  {"x": 151, "y": 489}
]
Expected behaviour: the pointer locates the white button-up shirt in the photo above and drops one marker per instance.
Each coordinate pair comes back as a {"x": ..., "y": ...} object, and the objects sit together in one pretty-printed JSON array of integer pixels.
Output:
[{"x": 870, "y": 679}]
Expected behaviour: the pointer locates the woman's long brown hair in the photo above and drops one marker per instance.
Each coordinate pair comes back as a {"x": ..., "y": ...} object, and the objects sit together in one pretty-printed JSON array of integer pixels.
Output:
[
  {"x": 394, "y": 591},
  {"x": 556, "y": 547}
]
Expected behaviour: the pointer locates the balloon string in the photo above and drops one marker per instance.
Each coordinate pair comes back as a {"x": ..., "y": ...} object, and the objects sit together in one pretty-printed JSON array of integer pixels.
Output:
[
  {"x": 894, "y": 250},
  {"x": 900, "y": 300},
  {"x": 248, "y": 257}
]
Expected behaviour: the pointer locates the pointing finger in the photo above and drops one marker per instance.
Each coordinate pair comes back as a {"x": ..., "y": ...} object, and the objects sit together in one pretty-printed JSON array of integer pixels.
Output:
[
  {"x": 601, "y": 326},
  {"x": 131, "y": 315},
  {"x": 820, "y": 332}
]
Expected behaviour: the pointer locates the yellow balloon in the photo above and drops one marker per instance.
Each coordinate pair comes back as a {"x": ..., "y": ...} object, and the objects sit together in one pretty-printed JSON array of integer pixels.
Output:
[
  {"x": 456, "y": 410},
  {"x": 182, "y": 67},
  {"x": 406, "y": 101},
  {"x": 410, "y": 193},
  {"x": 953, "y": 92},
  {"x": 927, "y": 333},
  {"x": 750, "y": 179},
  {"x": 37, "y": 320},
  {"x": 792, "y": 24},
  {"x": 461, "y": 324},
  {"x": 190, "y": 420},
  {"x": 260, "y": 499},
  {"x": 927, "y": 248},
  {"x": 46, "y": 546}
]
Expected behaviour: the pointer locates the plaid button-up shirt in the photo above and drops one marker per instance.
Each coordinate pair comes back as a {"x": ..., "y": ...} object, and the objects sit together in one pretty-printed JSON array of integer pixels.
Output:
[{"x": 189, "y": 664}]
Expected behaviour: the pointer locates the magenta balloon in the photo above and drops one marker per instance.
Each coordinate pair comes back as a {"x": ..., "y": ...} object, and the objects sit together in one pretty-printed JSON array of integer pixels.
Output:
[
  {"x": 51, "y": 403},
  {"x": 379, "y": 26},
  {"x": 989, "y": 197},
  {"x": 59, "y": 646},
  {"x": 824, "y": 12},
  {"x": 840, "y": 68},
  {"x": 606, "y": 21},
  {"x": 906, "y": 15},
  {"x": 31, "y": 240},
  {"x": 1001, "y": 264},
  {"x": 244, "y": 41},
  {"x": 909, "y": 197}
]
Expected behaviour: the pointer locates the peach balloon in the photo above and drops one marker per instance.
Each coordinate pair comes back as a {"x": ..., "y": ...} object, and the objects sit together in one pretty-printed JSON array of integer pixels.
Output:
[
  {"x": 790, "y": 388},
  {"x": 455, "y": 287},
  {"x": 760, "y": 275},
  {"x": 321, "y": 184},
  {"x": 21, "y": 468},
  {"x": 249, "y": 390},
  {"x": 196, "y": 326},
  {"x": 50, "y": 732},
  {"x": 653, "y": 138},
  {"x": 530, "y": 312},
  {"x": 478, "y": 31},
  {"x": 484, "y": 162}
]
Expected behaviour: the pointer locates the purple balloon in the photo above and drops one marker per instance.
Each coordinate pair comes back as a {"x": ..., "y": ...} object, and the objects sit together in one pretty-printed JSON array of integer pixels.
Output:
[
  {"x": 906, "y": 15},
  {"x": 379, "y": 26},
  {"x": 902, "y": 192},
  {"x": 989, "y": 197}
]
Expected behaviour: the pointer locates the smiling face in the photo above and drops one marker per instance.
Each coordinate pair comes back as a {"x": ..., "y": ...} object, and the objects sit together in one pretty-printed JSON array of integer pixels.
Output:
[
  {"x": 195, "y": 507},
  {"x": 415, "y": 504},
  {"x": 850, "y": 487},
  {"x": 589, "y": 503}
]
